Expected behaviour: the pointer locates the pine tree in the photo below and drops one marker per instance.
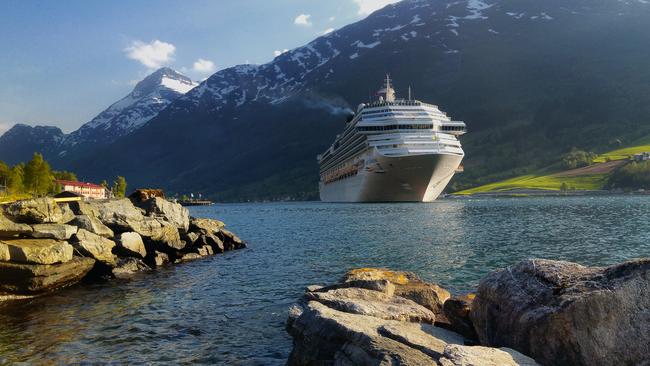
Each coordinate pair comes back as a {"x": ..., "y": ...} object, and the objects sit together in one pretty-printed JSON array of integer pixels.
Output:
[
  {"x": 119, "y": 187},
  {"x": 38, "y": 178},
  {"x": 5, "y": 175},
  {"x": 16, "y": 179}
]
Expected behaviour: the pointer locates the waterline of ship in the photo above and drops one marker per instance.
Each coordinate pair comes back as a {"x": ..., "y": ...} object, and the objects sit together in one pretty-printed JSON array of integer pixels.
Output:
[{"x": 392, "y": 150}]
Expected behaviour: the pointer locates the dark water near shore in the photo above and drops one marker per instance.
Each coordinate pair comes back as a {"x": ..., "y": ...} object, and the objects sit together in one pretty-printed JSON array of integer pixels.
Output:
[{"x": 230, "y": 309}]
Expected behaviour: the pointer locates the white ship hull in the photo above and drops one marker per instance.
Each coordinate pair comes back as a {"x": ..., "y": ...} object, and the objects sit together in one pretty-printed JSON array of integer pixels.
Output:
[{"x": 409, "y": 178}]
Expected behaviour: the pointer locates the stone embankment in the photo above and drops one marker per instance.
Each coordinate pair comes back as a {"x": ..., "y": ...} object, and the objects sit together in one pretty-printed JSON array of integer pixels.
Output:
[
  {"x": 537, "y": 312},
  {"x": 46, "y": 245}
]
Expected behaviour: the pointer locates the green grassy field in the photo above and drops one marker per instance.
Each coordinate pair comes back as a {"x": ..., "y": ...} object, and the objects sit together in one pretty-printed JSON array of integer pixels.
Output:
[
  {"x": 542, "y": 182},
  {"x": 552, "y": 181}
]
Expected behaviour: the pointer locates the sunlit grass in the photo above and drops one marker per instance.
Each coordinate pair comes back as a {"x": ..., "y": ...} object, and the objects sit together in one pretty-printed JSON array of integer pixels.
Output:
[
  {"x": 542, "y": 182},
  {"x": 621, "y": 154}
]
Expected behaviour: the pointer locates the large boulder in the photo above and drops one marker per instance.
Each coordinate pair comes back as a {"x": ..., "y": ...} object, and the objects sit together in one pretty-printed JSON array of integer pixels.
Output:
[
  {"x": 36, "y": 251},
  {"x": 27, "y": 279},
  {"x": 53, "y": 231},
  {"x": 10, "y": 229},
  {"x": 374, "y": 303},
  {"x": 130, "y": 244},
  {"x": 168, "y": 239},
  {"x": 95, "y": 246},
  {"x": 323, "y": 335},
  {"x": 92, "y": 224},
  {"x": 120, "y": 215},
  {"x": 164, "y": 210},
  {"x": 407, "y": 285},
  {"x": 37, "y": 211},
  {"x": 562, "y": 313},
  {"x": 458, "y": 355}
]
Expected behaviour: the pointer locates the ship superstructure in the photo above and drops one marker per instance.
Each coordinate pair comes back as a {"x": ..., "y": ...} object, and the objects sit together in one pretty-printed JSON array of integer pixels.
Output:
[{"x": 392, "y": 150}]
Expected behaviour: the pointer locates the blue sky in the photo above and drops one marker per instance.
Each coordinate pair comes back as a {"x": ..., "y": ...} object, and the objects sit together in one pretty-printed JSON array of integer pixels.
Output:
[{"x": 63, "y": 62}]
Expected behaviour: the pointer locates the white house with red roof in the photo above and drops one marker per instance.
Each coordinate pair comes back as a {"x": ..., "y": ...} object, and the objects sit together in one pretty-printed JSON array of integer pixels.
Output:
[{"x": 88, "y": 190}]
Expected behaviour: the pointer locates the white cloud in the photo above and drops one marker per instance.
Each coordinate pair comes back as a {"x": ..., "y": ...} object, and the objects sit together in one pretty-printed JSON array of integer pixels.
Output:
[
  {"x": 303, "y": 19},
  {"x": 152, "y": 55},
  {"x": 327, "y": 31},
  {"x": 203, "y": 66},
  {"x": 332, "y": 19},
  {"x": 277, "y": 53},
  {"x": 368, "y": 6}
]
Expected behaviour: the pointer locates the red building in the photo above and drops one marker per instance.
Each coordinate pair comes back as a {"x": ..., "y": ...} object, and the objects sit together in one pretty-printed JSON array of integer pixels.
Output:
[{"x": 88, "y": 190}]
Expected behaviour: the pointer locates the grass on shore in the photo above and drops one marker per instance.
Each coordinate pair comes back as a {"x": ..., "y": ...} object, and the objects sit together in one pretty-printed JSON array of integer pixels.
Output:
[
  {"x": 553, "y": 182},
  {"x": 542, "y": 182}
]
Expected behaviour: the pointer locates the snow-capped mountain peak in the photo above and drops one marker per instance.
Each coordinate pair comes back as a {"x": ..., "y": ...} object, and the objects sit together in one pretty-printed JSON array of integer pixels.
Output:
[{"x": 150, "y": 96}]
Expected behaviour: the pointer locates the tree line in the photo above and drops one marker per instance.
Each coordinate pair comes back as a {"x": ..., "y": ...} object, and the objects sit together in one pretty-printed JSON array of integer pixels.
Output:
[{"x": 36, "y": 178}]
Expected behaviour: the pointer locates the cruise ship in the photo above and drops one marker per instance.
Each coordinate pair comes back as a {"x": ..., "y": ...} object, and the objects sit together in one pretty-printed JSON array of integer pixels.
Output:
[{"x": 392, "y": 150}]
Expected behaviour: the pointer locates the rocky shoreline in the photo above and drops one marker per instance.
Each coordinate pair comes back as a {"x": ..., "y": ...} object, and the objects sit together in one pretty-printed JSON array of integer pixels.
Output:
[
  {"x": 45, "y": 245},
  {"x": 536, "y": 312}
]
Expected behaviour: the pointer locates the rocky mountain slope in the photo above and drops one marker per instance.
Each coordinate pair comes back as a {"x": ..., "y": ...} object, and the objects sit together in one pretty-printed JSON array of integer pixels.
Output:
[
  {"x": 150, "y": 96},
  {"x": 531, "y": 80}
]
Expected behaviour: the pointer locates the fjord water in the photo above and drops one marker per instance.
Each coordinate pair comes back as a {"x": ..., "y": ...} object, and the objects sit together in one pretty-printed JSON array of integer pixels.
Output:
[{"x": 231, "y": 308}]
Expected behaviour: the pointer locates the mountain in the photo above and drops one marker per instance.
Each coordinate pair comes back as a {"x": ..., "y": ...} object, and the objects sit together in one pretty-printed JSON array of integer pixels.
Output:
[
  {"x": 531, "y": 79},
  {"x": 21, "y": 141},
  {"x": 150, "y": 96}
]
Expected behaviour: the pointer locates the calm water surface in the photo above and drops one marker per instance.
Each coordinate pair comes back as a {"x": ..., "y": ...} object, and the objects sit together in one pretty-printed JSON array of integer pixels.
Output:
[{"x": 230, "y": 309}]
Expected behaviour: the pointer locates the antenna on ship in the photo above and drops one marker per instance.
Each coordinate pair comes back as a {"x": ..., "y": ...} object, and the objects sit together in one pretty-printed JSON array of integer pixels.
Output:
[
  {"x": 388, "y": 91},
  {"x": 409, "y": 92}
]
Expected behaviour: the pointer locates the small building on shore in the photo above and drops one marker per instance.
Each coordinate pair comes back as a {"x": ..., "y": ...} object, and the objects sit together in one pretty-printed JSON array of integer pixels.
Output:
[{"x": 88, "y": 190}]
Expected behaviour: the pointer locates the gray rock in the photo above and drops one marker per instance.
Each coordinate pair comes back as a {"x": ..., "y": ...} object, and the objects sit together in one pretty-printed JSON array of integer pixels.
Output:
[
  {"x": 10, "y": 229},
  {"x": 158, "y": 259},
  {"x": 407, "y": 285},
  {"x": 67, "y": 214},
  {"x": 127, "y": 267},
  {"x": 423, "y": 337},
  {"x": 373, "y": 303},
  {"x": 120, "y": 215},
  {"x": 205, "y": 226},
  {"x": 170, "y": 212},
  {"x": 95, "y": 246},
  {"x": 16, "y": 278},
  {"x": 458, "y": 355},
  {"x": 230, "y": 240},
  {"x": 326, "y": 336},
  {"x": 36, "y": 211},
  {"x": 92, "y": 224},
  {"x": 168, "y": 238},
  {"x": 562, "y": 313},
  {"x": 130, "y": 244},
  {"x": 53, "y": 231},
  {"x": 36, "y": 251}
]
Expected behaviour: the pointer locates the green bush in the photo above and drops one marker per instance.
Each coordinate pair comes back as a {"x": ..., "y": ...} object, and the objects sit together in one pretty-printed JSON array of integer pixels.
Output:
[
  {"x": 578, "y": 159},
  {"x": 634, "y": 175}
]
